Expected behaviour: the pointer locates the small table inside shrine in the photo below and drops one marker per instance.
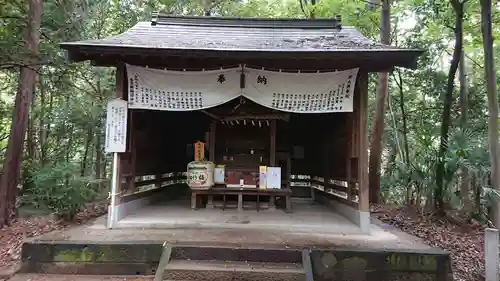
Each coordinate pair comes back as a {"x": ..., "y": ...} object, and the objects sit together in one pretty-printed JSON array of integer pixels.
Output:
[{"x": 240, "y": 192}]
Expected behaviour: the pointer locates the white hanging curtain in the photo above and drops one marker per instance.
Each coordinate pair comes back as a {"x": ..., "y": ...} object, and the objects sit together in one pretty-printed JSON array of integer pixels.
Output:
[
  {"x": 181, "y": 90},
  {"x": 302, "y": 92},
  {"x": 292, "y": 92}
]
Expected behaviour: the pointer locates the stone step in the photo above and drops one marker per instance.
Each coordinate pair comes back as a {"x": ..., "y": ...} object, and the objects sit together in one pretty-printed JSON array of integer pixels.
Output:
[
  {"x": 215, "y": 270},
  {"x": 242, "y": 254},
  {"x": 62, "y": 277}
]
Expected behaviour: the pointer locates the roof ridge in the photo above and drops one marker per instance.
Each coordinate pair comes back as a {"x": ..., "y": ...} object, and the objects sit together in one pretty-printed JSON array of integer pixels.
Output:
[{"x": 216, "y": 21}]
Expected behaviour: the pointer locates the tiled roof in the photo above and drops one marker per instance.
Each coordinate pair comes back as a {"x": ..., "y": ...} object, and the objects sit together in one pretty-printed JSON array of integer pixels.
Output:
[
  {"x": 239, "y": 34},
  {"x": 244, "y": 37}
]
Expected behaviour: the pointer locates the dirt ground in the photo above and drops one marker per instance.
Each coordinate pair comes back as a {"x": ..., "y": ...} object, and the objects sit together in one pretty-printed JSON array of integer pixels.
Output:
[{"x": 464, "y": 240}]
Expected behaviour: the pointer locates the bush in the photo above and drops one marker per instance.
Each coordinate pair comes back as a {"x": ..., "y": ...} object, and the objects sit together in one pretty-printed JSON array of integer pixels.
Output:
[{"x": 59, "y": 189}]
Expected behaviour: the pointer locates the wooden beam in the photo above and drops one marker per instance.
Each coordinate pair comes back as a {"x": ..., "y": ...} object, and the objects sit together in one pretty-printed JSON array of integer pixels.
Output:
[
  {"x": 362, "y": 122},
  {"x": 132, "y": 151},
  {"x": 211, "y": 146},
  {"x": 372, "y": 61},
  {"x": 348, "y": 163},
  {"x": 272, "y": 146},
  {"x": 354, "y": 133},
  {"x": 210, "y": 114},
  {"x": 325, "y": 157},
  {"x": 120, "y": 82},
  {"x": 288, "y": 170}
]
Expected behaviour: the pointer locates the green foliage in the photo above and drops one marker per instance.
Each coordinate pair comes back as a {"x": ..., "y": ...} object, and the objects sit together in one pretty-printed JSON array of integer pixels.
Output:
[
  {"x": 65, "y": 138},
  {"x": 59, "y": 189}
]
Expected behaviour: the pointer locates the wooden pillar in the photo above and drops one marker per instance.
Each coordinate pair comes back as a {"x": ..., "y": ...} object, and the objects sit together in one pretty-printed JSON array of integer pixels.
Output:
[
  {"x": 211, "y": 143},
  {"x": 288, "y": 170},
  {"x": 132, "y": 148},
  {"x": 362, "y": 124},
  {"x": 272, "y": 146},
  {"x": 326, "y": 155},
  {"x": 211, "y": 157},
  {"x": 120, "y": 93},
  {"x": 158, "y": 180},
  {"x": 350, "y": 136}
]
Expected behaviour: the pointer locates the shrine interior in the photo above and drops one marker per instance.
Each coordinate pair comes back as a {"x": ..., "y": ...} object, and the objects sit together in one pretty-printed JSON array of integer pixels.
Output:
[{"x": 162, "y": 142}]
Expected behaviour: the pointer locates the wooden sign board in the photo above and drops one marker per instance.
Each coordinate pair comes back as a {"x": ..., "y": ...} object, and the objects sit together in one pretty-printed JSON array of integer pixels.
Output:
[
  {"x": 116, "y": 126},
  {"x": 199, "y": 151}
]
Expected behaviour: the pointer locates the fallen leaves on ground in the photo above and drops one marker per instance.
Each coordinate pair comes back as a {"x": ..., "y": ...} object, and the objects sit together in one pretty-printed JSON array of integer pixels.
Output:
[
  {"x": 463, "y": 240},
  {"x": 12, "y": 237}
]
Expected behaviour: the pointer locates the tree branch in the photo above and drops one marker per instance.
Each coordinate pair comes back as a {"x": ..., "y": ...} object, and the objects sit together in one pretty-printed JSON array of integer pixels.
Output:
[
  {"x": 302, "y": 8},
  {"x": 468, "y": 57},
  {"x": 10, "y": 65},
  {"x": 11, "y": 17}
]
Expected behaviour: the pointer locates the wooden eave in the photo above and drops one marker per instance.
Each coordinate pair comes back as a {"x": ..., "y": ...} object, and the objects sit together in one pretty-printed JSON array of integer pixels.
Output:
[
  {"x": 368, "y": 60},
  {"x": 207, "y": 42}
]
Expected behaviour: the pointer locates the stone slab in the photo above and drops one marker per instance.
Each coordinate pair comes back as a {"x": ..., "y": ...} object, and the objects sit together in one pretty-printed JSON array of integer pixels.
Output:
[
  {"x": 366, "y": 265},
  {"x": 228, "y": 271},
  {"x": 60, "y": 277}
]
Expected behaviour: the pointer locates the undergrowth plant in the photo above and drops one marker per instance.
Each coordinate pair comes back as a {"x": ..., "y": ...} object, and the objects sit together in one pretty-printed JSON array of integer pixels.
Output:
[{"x": 59, "y": 189}]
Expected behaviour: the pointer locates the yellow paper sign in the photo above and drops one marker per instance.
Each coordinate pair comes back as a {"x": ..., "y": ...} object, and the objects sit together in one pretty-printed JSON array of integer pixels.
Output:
[
  {"x": 199, "y": 151},
  {"x": 262, "y": 177}
]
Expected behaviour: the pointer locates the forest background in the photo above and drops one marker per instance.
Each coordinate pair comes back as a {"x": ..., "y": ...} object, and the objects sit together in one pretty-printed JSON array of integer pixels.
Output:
[{"x": 435, "y": 147}]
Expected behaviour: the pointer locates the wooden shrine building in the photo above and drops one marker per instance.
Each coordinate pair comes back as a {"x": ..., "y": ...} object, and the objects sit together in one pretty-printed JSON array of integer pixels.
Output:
[{"x": 287, "y": 93}]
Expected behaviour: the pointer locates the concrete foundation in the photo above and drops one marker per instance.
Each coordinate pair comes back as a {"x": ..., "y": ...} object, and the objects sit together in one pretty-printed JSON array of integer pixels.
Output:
[
  {"x": 360, "y": 219},
  {"x": 126, "y": 208},
  {"x": 217, "y": 263},
  {"x": 160, "y": 209},
  {"x": 308, "y": 216},
  {"x": 131, "y": 203}
]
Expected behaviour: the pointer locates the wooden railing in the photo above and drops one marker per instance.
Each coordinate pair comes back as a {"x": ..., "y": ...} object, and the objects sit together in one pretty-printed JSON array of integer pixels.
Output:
[
  {"x": 149, "y": 182},
  {"x": 491, "y": 254},
  {"x": 338, "y": 188}
]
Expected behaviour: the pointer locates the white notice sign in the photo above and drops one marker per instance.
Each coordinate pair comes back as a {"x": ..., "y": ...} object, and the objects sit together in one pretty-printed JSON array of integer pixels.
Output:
[{"x": 116, "y": 126}]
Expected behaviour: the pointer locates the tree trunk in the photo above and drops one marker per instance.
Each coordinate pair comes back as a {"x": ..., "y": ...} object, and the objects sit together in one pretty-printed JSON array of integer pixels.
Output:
[
  {"x": 378, "y": 120},
  {"x": 489, "y": 70},
  {"x": 207, "y": 8},
  {"x": 465, "y": 184},
  {"x": 477, "y": 195},
  {"x": 88, "y": 143},
  {"x": 404, "y": 119},
  {"x": 312, "y": 13},
  {"x": 447, "y": 101},
  {"x": 98, "y": 154},
  {"x": 313, "y": 8},
  {"x": 391, "y": 159},
  {"x": 69, "y": 144},
  {"x": 30, "y": 138},
  {"x": 406, "y": 154},
  {"x": 41, "y": 124},
  {"x": 12, "y": 163},
  {"x": 47, "y": 129}
]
